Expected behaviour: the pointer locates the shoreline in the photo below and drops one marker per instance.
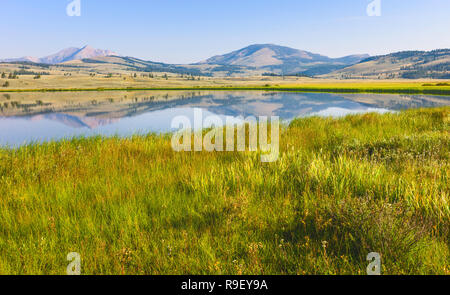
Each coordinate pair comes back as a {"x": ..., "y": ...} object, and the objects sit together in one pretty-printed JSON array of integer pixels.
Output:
[{"x": 380, "y": 90}]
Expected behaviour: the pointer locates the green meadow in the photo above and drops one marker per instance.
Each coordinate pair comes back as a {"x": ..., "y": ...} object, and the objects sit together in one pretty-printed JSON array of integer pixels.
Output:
[
  {"x": 63, "y": 84},
  {"x": 267, "y": 87},
  {"x": 341, "y": 188}
]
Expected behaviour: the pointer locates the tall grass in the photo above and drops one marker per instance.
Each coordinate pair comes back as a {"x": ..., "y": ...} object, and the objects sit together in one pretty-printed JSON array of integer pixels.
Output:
[{"x": 341, "y": 188}]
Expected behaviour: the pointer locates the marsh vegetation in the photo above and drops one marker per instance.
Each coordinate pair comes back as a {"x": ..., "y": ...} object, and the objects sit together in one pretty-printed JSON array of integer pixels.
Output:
[{"x": 341, "y": 188}]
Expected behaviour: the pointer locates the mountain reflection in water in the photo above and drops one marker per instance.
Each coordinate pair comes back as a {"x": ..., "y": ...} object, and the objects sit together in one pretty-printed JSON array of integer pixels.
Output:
[{"x": 125, "y": 114}]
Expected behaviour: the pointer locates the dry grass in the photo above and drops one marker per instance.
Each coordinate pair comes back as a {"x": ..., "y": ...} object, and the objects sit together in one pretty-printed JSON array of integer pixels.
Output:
[{"x": 80, "y": 82}]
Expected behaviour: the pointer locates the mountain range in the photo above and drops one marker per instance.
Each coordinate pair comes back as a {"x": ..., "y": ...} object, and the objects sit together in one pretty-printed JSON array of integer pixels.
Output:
[
  {"x": 433, "y": 64},
  {"x": 68, "y": 54},
  {"x": 283, "y": 60},
  {"x": 260, "y": 59}
]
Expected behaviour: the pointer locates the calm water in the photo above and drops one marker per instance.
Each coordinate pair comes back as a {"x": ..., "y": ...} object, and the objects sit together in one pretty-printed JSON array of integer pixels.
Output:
[{"x": 43, "y": 117}]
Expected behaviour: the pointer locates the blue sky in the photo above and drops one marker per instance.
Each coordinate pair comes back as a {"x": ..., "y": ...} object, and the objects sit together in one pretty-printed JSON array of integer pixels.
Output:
[{"x": 184, "y": 31}]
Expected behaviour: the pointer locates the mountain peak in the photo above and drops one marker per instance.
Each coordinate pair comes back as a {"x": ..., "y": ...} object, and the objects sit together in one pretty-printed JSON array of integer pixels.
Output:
[
  {"x": 88, "y": 47},
  {"x": 67, "y": 54},
  {"x": 280, "y": 59},
  {"x": 89, "y": 52}
]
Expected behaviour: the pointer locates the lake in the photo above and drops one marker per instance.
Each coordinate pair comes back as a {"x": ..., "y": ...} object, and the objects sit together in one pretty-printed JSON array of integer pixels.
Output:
[{"x": 40, "y": 117}]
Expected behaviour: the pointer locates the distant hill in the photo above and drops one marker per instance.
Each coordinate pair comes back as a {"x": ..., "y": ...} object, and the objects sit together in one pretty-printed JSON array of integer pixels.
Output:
[
  {"x": 116, "y": 64},
  {"x": 68, "y": 54},
  {"x": 283, "y": 60},
  {"x": 406, "y": 64},
  {"x": 125, "y": 64}
]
